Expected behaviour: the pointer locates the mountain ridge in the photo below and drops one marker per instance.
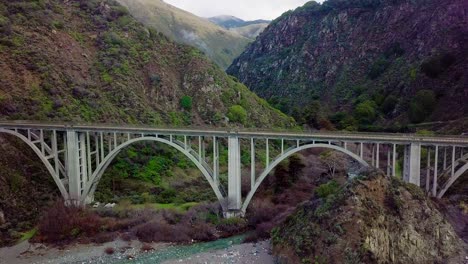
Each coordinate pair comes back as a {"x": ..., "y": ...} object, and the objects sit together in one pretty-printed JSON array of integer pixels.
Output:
[
  {"x": 354, "y": 64},
  {"x": 219, "y": 44}
]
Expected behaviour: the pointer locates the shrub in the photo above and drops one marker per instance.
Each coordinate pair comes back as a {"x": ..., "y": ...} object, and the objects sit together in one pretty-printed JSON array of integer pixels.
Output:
[
  {"x": 203, "y": 232},
  {"x": 327, "y": 189},
  {"x": 422, "y": 105},
  {"x": 365, "y": 112},
  {"x": 157, "y": 231},
  {"x": 61, "y": 223},
  {"x": 231, "y": 226},
  {"x": 389, "y": 104},
  {"x": 436, "y": 65},
  {"x": 186, "y": 103},
  {"x": 109, "y": 251},
  {"x": 146, "y": 247},
  {"x": 379, "y": 67},
  {"x": 260, "y": 211},
  {"x": 238, "y": 114}
]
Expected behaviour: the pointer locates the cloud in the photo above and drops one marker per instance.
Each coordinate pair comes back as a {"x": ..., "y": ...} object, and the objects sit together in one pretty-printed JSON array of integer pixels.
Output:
[{"x": 245, "y": 9}]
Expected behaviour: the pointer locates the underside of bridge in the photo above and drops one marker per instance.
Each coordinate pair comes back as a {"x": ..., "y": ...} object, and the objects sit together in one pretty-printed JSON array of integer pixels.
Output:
[{"x": 76, "y": 158}]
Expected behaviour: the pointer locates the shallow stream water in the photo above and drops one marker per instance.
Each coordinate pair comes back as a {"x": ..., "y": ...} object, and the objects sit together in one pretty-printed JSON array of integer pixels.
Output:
[{"x": 174, "y": 252}]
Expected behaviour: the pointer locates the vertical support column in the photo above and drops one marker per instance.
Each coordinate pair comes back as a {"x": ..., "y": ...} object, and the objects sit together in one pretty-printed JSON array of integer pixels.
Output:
[
  {"x": 41, "y": 138},
  {"x": 267, "y": 162},
  {"x": 445, "y": 158},
  {"x": 388, "y": 162},
  {"x": 73, "y": 166},
  {"x": 373, "y": 155},
  {"x": 377, "y": 156},
  {"x": 428, "y": 169},
  {"x": 412, "y": 168},
  {"x": 55, "y": 153},
  {"x": 436, "y": 163},
  {"x": 101, "y": 136},
  {"x": 203, "y": 149},
  {"x": 282, "y": 146},
  {"x": 252, "y": 163},
  {"x": 199, "y": 148},
  {"x": 361, "y": 151},
  {"x": 88, "y": 158},
  {"x": 215, "y": 160},
  {"x": 394, "y": 161},
  {"x": 234, "y": 174},
  {"x": 83, "y": 161},
  {"x": 453, "y": 161}
]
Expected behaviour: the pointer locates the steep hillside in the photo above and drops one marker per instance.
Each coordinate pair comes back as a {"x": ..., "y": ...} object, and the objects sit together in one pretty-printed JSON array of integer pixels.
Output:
[
  {"x": 226, "y": 21},
  {"x": 248, "y": 29},
  {"x": 373, "y": 219},
  {"x": 358, "y": 63},
  {"x": 91, "y": 61},
  {"x": 221, "y": 45}
]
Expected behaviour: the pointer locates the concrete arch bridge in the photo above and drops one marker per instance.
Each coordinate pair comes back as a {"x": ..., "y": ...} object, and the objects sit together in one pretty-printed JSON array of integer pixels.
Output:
[{"x": 76, "y": 156}]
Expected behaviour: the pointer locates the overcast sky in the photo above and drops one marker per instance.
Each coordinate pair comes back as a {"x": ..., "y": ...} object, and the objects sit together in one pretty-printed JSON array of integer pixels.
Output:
[{"x": 245, "y": 9}]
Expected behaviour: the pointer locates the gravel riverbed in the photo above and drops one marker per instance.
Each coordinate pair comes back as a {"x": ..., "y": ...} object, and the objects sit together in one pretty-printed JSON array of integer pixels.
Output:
[{"x": 130, "y": 252}]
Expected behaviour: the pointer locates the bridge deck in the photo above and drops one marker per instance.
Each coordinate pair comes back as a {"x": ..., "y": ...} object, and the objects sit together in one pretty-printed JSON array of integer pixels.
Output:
[{"x": 244, "y": 133}]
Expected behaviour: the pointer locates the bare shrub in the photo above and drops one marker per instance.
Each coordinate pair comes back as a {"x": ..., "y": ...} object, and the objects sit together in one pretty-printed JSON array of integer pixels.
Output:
[
  {"x": 162, "y": 232},
  {"x": 203, "y": 232},
  {"x": 62, "y": 223},
  {"x": 109, "y": 250},
  {"x": 260, "y": 211},
  {"x": 146, "y": 247},
  {"x": 231, "y": 226},
  {"x": 104, "y": 238}
]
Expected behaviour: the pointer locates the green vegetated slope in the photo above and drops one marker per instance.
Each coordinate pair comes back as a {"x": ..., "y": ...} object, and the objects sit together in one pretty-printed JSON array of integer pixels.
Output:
[
  {"x": 372, "y": 219},
  {"x": 91, "y": 61},
  {"x": 357, "y": 63},
  {"x": 220, "y": 44},
  {"x": 248, "y": 29}
]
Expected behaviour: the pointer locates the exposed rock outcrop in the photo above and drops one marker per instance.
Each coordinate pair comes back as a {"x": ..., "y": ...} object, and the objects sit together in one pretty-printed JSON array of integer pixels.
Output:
[{"x": 373, "y": 219}]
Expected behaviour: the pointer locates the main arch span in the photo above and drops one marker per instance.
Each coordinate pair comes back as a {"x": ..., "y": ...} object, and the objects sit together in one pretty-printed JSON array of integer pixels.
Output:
[{"x": 76, "y": 156}]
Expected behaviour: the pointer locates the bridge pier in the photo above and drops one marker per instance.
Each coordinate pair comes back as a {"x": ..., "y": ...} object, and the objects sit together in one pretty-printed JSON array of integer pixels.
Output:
[
  {"x": 234, "y": 176},
  {"x": 412, "y": 164},
  {"x": 76, "y": 164}
]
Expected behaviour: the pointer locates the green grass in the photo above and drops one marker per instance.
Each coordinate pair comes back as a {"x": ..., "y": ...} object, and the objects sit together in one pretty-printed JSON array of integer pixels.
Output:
[
  {"x": 27, "y": 235},
  {"x": 171, "y": 206}
]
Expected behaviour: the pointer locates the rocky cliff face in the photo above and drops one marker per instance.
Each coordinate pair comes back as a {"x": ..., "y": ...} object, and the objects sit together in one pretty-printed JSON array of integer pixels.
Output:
[
  {"x": 373, "y": 219},
  {"x": 387, "y": 54}
]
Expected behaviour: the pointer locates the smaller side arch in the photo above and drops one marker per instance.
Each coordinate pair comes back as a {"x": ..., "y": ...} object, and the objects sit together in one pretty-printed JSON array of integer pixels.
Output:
[
  {"x": 97, "y": 174},
  {"x": 452, "y": 180},
  {"x": 44, "y": 160},
  {"x": 287, "y": 154}
]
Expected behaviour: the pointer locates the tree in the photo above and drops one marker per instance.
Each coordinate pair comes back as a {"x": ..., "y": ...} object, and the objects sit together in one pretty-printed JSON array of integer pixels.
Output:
[
  {"x": 186, "y": 102},
  {"x": 333, "y": 160},
  {"x": 365, "y": 112},
  {"x": 282, "y": 179},
  {"x": 422, "y": 106},
  {"x": 295, "y": 167},
  {"x": 238, "y": 114}
]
